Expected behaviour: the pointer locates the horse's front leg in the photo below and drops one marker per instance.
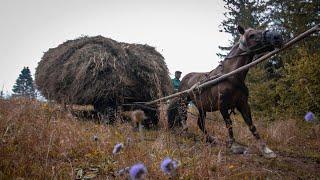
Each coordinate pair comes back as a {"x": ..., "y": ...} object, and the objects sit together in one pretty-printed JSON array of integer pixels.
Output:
[
  {"x": 235, "y": 147},
  {"x": 201, "y": 124},
  {"x": 245, "y": 111},
  {"x": 226, "y": 117}
]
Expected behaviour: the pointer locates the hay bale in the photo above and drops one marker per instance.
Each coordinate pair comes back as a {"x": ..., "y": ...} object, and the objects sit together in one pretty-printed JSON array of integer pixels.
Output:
[{"x": 102, "y": 72}]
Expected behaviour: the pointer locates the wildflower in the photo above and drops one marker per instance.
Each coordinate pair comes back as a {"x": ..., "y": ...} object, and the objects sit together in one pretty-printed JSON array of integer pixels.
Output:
[
  {"x": 309, "y": 116},
  {"x": 138, "y": 171},
  {"x": 95, "y": 138},
  {"x": 169, "y": 166},
  {"x": 117, "y": 148}
]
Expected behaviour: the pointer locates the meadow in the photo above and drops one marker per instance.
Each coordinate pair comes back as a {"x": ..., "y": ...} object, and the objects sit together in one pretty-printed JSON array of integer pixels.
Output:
[{"x": 44, "y": 141}]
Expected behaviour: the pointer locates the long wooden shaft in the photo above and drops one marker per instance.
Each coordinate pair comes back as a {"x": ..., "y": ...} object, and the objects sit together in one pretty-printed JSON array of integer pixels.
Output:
[{"x": 243, "y": 68}]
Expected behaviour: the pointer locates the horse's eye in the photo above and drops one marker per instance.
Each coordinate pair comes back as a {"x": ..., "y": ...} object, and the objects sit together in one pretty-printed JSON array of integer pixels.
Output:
[{"x": 252, "y": 36}]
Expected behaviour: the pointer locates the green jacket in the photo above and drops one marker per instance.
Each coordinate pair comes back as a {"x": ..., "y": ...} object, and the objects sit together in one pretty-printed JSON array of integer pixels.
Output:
[{"x": 176, "y": 84}]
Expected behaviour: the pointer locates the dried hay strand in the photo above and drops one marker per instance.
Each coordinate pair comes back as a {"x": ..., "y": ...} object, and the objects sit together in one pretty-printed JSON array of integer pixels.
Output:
[{"x": 102, "y": 72}]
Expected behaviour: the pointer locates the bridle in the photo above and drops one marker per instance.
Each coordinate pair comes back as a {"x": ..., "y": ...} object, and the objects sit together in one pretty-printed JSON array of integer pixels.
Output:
[{"x": 261, "y": 40}]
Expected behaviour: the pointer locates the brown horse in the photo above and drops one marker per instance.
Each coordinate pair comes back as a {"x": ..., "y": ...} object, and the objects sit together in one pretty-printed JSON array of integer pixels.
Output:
[{"x": 229, "y": 94}]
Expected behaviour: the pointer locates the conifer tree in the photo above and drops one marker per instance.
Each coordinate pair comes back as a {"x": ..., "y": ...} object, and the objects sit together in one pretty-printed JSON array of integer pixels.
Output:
[
  {"x": 24, "y": 84},
  {"x": 246, "y": 13},
  {"x": 275, "y": 85},
  {"x": 301, "y": 63}
]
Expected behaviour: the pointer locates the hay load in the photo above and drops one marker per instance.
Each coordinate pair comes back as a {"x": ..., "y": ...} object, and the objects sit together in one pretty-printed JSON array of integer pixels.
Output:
[{"x": 102, "y": 72}]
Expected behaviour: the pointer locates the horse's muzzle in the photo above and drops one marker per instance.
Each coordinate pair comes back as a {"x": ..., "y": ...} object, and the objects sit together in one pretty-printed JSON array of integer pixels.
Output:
[{"x": 273, "y": 37}]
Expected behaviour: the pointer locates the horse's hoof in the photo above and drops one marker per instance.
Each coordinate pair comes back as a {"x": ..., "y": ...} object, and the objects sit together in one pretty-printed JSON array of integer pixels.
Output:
[
  {"x": 211, "y": 139},
  {"x": 268, "y": 153},
  {"x": 237, "y": 148}
]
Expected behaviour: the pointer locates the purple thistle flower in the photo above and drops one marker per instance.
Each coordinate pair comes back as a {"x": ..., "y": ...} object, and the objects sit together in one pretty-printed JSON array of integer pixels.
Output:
[
  {"x": 117, "y": 148},
  {"x": 138, "y": 171},
  {"x": 168, "y": 166},
  {"x": 309, "y": 116}
]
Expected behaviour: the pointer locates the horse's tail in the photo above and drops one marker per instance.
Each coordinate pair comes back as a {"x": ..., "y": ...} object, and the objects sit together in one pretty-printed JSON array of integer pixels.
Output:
[{"x": 177, "y": 111}]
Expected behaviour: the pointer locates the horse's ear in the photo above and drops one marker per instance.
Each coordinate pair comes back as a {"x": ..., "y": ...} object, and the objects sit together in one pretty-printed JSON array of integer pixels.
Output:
[{"x": 240, "y": 29}]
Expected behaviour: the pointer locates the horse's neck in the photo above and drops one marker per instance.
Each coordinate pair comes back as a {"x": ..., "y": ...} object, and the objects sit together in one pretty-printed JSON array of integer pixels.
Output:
[{"x": 235, "y": 63}]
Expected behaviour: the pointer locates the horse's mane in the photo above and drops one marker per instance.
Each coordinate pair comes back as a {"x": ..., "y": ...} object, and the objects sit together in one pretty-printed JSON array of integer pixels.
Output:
[
  {"x": 229, "y": 56},
  {"x": 232, "y": 51}
]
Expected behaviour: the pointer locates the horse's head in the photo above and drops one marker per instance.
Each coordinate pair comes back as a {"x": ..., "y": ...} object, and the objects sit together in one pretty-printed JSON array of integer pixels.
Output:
[{"x": 259, "y": 41}]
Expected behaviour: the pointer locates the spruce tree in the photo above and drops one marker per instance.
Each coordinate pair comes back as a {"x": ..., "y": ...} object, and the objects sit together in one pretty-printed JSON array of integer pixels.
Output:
[
  {"x": 301, "y": 63},
  {"x": 24, "y": 84},
  {"x": 246, "y": 13},
  {"x": 275, "y": 85}
]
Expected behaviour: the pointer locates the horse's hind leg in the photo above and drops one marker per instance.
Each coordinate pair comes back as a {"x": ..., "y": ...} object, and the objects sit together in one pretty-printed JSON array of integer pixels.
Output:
[
  {"x": 201, "y": 124},
  {"x": 183, "y": 113},
  {"x": 245, "y": 111},
  {"x": 177, "y": 113}
]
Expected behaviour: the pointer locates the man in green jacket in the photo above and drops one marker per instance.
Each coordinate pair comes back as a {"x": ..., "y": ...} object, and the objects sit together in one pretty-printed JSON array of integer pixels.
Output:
[{"x": 176, "y": 81}]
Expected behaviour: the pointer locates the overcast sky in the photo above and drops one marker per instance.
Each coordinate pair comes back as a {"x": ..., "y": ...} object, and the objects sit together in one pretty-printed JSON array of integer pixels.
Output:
[{"x": 185, "y": 32}]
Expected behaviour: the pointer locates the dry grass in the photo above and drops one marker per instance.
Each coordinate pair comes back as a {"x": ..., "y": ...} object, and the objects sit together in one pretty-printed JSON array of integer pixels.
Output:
[{"x": 41, "y": 141}]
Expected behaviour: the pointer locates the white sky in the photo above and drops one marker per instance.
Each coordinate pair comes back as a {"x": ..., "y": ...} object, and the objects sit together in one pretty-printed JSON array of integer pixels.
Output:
[{"x": 185, "y": 32}]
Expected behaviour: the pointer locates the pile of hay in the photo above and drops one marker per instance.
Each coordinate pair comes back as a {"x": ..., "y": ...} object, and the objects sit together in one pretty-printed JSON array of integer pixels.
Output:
[{"x": 102, "y": 72}]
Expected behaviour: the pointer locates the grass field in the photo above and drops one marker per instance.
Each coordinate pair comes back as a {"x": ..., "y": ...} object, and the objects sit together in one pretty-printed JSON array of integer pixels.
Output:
[{"x": 43, "y": 141}]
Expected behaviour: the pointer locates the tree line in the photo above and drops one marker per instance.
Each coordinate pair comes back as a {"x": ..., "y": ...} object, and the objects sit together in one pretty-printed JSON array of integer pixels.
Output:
[{"x": 288, "y": 83}]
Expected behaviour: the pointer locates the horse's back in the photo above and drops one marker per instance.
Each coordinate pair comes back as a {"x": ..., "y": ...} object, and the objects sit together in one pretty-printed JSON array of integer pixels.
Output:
[{"x": 190, "y": 79}]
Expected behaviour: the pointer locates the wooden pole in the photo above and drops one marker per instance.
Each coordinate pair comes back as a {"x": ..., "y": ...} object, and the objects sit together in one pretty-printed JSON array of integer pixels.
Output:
[{"x": 245, "y": 67}]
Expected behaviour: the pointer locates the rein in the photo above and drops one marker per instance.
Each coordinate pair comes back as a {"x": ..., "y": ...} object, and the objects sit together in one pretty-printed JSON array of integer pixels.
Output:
[
  {"x": 238, "y": 55},
  {"x": 247, "y": 52}
]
